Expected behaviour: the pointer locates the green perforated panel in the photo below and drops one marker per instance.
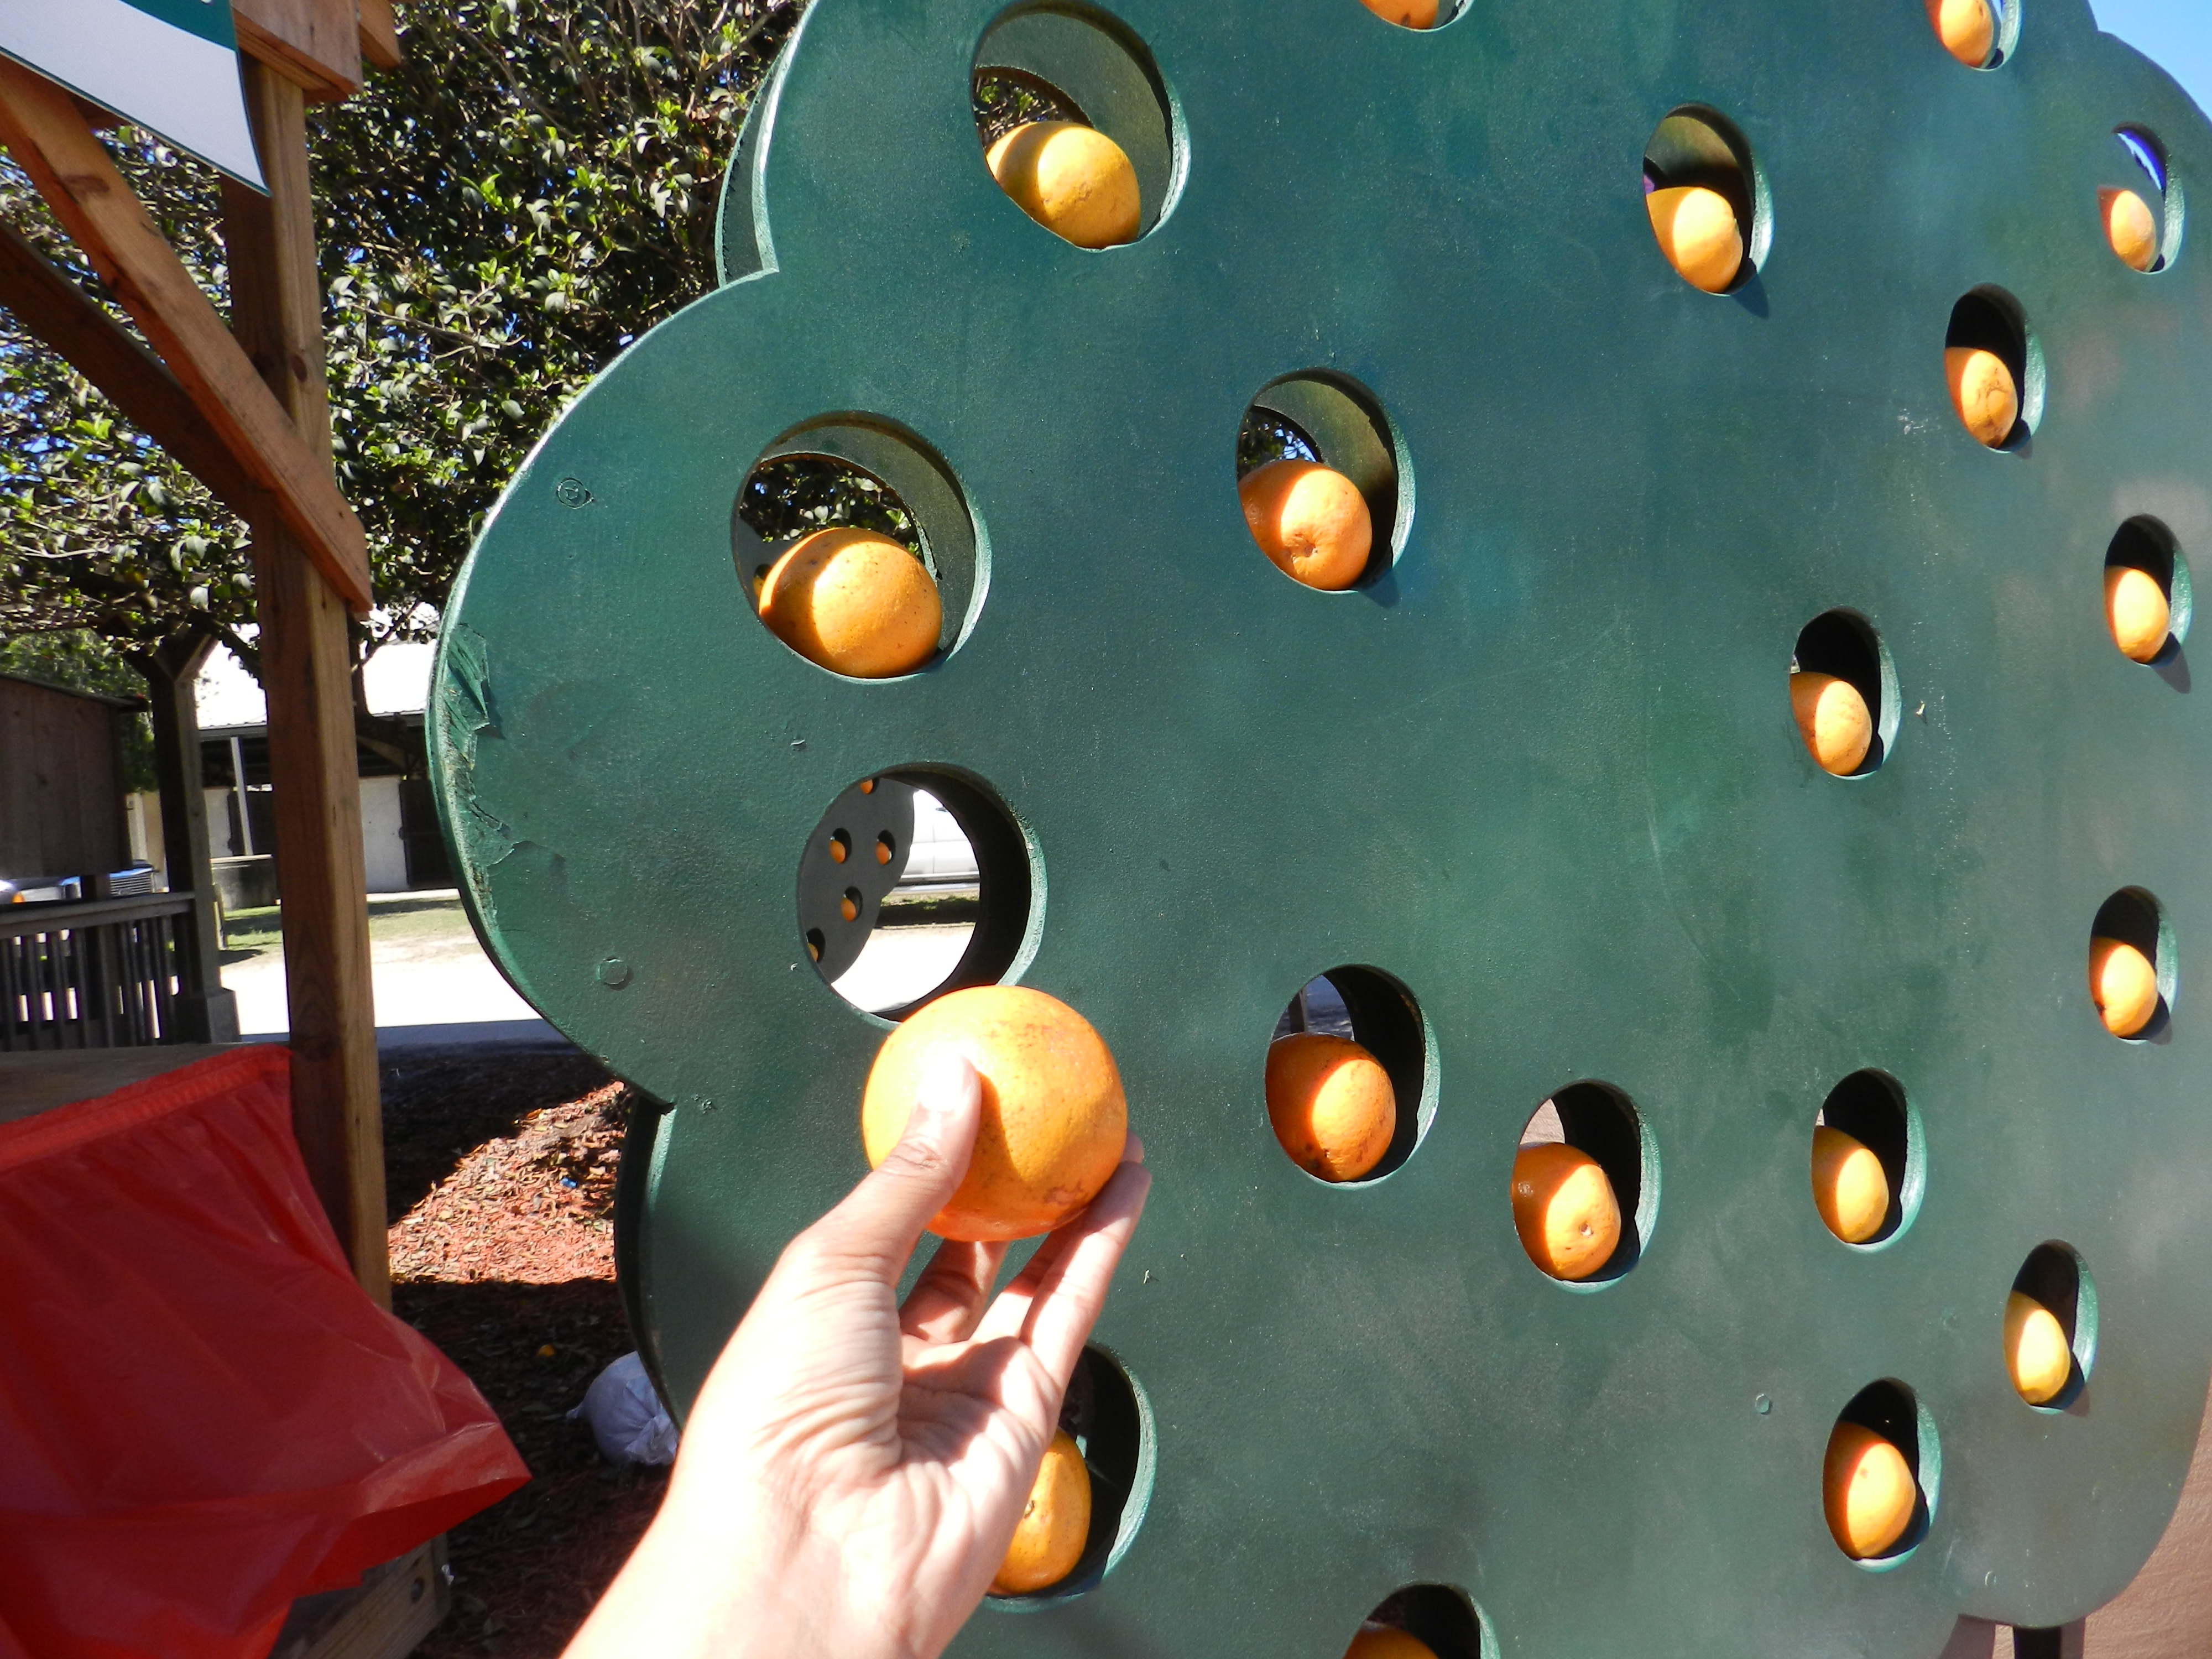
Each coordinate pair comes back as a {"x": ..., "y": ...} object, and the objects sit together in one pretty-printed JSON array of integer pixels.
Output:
[{"x": 1542, "y": 772}]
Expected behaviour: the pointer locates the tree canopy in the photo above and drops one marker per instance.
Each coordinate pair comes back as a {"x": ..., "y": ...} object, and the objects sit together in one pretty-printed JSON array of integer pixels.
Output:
[{"x": 534, "y": 186}]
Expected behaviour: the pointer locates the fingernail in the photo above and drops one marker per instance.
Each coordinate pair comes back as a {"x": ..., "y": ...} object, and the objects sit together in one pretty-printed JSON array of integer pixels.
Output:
[{"x": 945, "y": 1084}]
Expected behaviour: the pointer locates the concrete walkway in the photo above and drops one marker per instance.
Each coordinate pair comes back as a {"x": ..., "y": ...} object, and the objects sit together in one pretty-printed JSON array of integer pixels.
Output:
[{"x": 432, "y": 980}]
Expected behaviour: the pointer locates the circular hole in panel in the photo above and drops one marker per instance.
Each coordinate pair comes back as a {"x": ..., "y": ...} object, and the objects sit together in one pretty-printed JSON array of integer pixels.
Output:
[
  {"x": 1839, "y": 656},
  {"x": 1890, "y": 1412},
  {"x": 1441, "y": 1618},
  {"x": 1870, "y": 1108},
  {"x": 1979, "y": 34},
  {"x": 1108, "y": 1413},
  {"x": 1417, "y": 14},
  {"x": 1558, "y": 1224},
  {"x": 854, "y": 472},
  {"x": 1351, "y": 1005},
  {"x": 954, "y": 908},
  {"x": 2053, "y": 1280},
  {"x": 1707, "y": 199},
  {"x": 2140, "y": 204},
  {"x": 1321, "y": 419},
  {"x": 1063, "y": 72},
  {"x": 2133, "y": 969},
  {"x": 2147, "y": 619},
  {"x": 1993, "y": 364}
]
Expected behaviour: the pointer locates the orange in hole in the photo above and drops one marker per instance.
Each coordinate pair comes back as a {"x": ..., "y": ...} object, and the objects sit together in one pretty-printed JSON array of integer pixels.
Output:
[
  {"x": 2138, "y": 612},
  {"x": 1056, "y": 1523},
  {"x": 1407, "y": 14},
  {"x": 1331, "y": 1103},
  {"x": 1565, "y": 1210},
  {"x": 1869, "y": 1491},
  {"x": 1383, "y": 1642},
  {"x": 1310, "y": 521},
  {"x": 2124, "y": 984},
  {"x": 854, "y": 602}
]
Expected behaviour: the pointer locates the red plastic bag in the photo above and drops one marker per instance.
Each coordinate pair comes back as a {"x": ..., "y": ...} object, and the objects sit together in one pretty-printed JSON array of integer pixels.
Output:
[{"x": 201, "y": 1416}]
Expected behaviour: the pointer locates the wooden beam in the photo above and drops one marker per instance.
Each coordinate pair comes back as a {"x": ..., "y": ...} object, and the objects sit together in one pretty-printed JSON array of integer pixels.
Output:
[
  {"x": 379, "y": 33},
  {"x": 74, "y": 172},
  {"x": 68, "y": 320},
  {"x": 313, "y": 44},
  {"x": 306, "y": 672}
]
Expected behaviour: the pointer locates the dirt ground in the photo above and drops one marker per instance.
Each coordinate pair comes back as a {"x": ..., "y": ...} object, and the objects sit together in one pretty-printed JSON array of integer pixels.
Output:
[{"x": 501, "y": 1173}]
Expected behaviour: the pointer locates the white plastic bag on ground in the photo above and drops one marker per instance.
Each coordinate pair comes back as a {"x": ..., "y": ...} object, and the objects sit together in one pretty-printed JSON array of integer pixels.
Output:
[{"x": 626, "y": 1416}]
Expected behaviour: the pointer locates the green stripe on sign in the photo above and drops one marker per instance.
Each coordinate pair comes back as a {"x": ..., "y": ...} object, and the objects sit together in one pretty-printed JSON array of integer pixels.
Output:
[{"x": 208, "y": 19}]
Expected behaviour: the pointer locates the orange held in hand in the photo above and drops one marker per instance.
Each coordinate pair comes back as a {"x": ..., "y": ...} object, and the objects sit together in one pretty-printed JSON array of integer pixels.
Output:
[
  {"x": 2123, "y": 984},
  {"x": 2037, "y": 1353},
  {"x": 1311, "y": 520},
  {"x": 1331, "y": 1103},
  {"x": 1833, "y": 720},
  {"x": 1565, "y": 1210},
  {"x": 854, "y": 602},
  {"x": 1850, "y": 1189},
  {"x": 1054, "y": 1116},
  {"x": 1408, "y": 13},
  {"x": 1055, "y": 1525},
  {"x": 2129, "y": 227},
  {"x": 2137, "y": 611},
  {"x": 1699, "y": 234},
  {"x": 1967, "y": 28},
  {"x": 1869, "y": 1491},
  {"x": 1383, "y": 1642},
  {"x": 1073, "y": 179},
  {"x": 1983, "y": 392}
]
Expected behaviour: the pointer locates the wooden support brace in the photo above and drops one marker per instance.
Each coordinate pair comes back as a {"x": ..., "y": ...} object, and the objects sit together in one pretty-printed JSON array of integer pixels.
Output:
[
  {"x": 69, "y": 321},
  {"x": 48, "y": 138},
  {"x": 313, "y": 44},
  {"x": 379, "y": 33},
  {"x": 306, "y": 672}
]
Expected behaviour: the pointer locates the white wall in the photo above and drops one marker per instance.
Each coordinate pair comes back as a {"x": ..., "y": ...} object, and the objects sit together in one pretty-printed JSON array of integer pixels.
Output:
[
  {"x": 382, "y": 851},
  {"x": 142, "y": 816}
]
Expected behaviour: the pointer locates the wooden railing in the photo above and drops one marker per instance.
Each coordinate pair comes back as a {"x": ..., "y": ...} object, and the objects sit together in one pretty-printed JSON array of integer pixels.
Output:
[{"x": 98, "y": 974}]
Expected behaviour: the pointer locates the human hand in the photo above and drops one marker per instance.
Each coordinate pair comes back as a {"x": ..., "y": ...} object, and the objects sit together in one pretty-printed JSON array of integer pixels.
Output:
[{"x": 852, "y": 1469}]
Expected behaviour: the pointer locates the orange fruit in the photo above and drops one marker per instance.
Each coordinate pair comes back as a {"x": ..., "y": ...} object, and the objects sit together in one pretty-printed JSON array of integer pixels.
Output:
[
  {"x": 2136, "y": 610},
  {"x": 1310, "y": 519},
  {"x": 1698, "y": 232},
  {"x": 1565, "y": 1210},
  {"x": 1982, "y": 392},
  {"x": 1054, "y": 1116},
  {"x": 2123, "y": 984},
  {"x": 854, "y": 602},
  {"x": 1967, "y": 28},
  {"x": 2129, "y": 227},
  {"x": 1833, "y": 720},
  {"x": 1073, "y": 179},
  {"x": 1869, "y": 1491},
  {"x": 1055, "y": 1525},
  {"x": 1382, "y": 1642},
  {"x": 2037, "y": 1352},
  {"x": 1331, "y": 1103},
  {"x": 1408, "y": 13},
  {"x": 1850, "y": 1189}
]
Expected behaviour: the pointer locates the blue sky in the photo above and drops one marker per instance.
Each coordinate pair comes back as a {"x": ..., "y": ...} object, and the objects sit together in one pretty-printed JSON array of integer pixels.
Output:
[{"x": 2175, "y": 34}]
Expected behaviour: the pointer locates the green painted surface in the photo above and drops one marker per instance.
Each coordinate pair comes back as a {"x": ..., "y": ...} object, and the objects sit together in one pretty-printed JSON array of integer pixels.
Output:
[
  {"x": 1543, "y": 772},
  {"x": 208, "y": 19}
]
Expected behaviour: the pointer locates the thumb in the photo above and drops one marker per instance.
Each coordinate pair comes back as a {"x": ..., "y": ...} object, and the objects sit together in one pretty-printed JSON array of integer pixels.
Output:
[{"x": 880, "y": 1221}]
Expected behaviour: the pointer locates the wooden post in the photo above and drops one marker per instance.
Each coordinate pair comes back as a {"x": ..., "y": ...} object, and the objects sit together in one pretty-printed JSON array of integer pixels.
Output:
[
  {"x": 306, "y": 660},
  {"x": 206, "y": 1013}
]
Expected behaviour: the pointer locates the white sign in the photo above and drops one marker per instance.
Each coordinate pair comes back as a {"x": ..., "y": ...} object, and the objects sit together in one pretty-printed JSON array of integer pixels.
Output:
[{"x": 170, "y": 66}]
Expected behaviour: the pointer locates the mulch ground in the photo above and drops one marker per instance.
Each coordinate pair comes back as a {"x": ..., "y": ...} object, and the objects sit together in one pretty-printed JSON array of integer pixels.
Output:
[{"x": 501, "y": 1171}]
